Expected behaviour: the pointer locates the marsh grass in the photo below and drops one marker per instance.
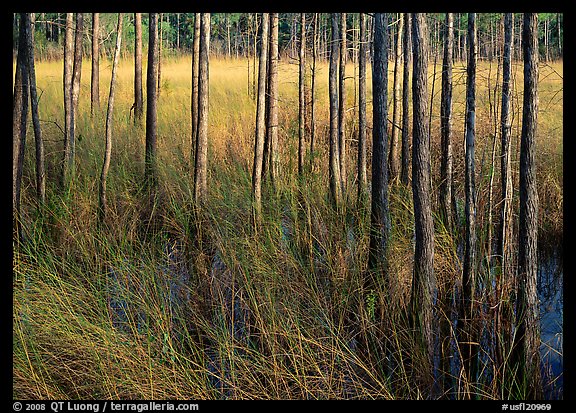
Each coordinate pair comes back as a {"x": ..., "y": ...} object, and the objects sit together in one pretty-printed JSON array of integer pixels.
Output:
[{"x": 131, "y": 311}]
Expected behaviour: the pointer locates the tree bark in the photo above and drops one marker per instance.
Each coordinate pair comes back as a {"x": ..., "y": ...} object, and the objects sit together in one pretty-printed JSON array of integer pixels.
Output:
[
  {"x": 68, "y": 160},
  {"x": 301, "y": 97},
  {"x": 393, "y": 158},
  {"x": 447, "y": 201},
  {"x": 526, "y": 356},
  {"x": 138, "y": 92},
  {"x": 423, "y": 281},
  {"x": 405, "y": 172},
  {"x": 334, "y": 158},
  {"x": 201, "y": 168},
  {"x": 195, "y": 65},
  {"x": 313, "y": 90},
  {"x": 342, "y": 102},
  {"x": 19, "y": 122},
  {"x": 380, "y": 214},
  {"x": 150, "y": 167},
  {"x": 362, "y": 180},
  {"x": 77, "y": 69},
  {"x": 95, "y": 83},
  {"x": 260, "y": 123},
  {"x": 108, "y": 147},
  {"x": 272, "y": 100},
  {"x": 40, "y": 171}
]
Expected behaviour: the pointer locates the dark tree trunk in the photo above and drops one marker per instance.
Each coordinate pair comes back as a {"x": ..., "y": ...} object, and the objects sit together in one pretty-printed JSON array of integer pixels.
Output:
[
  {"x": 362, "y": 180},
  {"x": 469, "y": 350},
  {"x": 201, "y": 168},
  {"x": 393, "y": 159},
  {"x": 195, "y": 65},
  {"x": 342, "y": 102},
  {"x": 103, "y": 204},
  {"x": 447, "y": 201},
  {"x": 380, "y": 214},
  {"x": 334, "y": 159},
  {"x": 40, "y": 172},
  {"x": 19, "y": 122},
  {"x": 138, "y": 91},
  {"x": 423, "y": 281},
  {"x": 526, "y": 356},
  {"x": 260, "y": 123},
  {"x": 301, "y": 96},
  {"x": 150, "y": 167},
  {"x": 405, "y": 172}
]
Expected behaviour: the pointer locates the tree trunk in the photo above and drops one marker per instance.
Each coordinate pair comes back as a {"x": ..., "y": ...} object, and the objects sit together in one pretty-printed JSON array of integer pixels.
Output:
[
  {"x": 312, "y": 91},
  {"x": 334, "y": 159},
  {"x": 260, "y": 123},
  {"x": 423, "y": 281},
  {"x": 68, "y": 161},
  {"x": 526, "y": 356},
  {"x": 405, "y": 172},
  {"x": 108, "y": 147},
  {"x": 469, "y": 273},
  {"x": 272, "y": 100},
  {"x": 40, "y": 172},
  {"x": 380, "y": 214},
  {"x": 301, "y": 97},
  {"x": 393, "y": 159},
  {"x": 342, "y": 103},
  {"x": 95, "y": 84},
  {"x": 160, "y": 54},
  {"x": 201, "y": 168},
  {"x": 195, "y": 66},
  {"x": 77, "y": 70},
  {"x": 447, "y": 207},
  {"x": 138, "y": 92},
  {"x": 362, "y": 180},
  {"x": 19, "y": 122},
  {"x": 150, "y": 167}
]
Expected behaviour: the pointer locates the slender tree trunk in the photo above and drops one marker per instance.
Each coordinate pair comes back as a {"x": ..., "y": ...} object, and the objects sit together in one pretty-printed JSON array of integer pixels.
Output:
[
  {"x": 138, "y": 91},
  {"x": 342, "y": 102},
  {"x": 393, "y": 159},
  {"x": 260, "y": 123},
  {"x": 150, "y": 166},
  {"x": 312, "y": 91},
  {"x": 108, "y": 148},
  {"x": 77, "y": 70},
  {"x": 423, "y": 281},
  {"x": 19, "y": 122},
  {"x": 95, "y": 84},
  {"x": 446, "y": 195},
  {"x": 380, "y": 214},
  {"x": 334, "y": 159},
  {"x": 469, "y": 273},
  {"x": 405, "y": 172},
  {"x": 40, "y": 171},
  {"x": 302, "y": 99},
  {"x": 195, "y": 65},
  {"x": 526, "y": 356},
  {"x": 201, "y": 168},
  {"x": 68, "y": 161},
  {"x": 362, "y": 180},
  {"x": 160, "y": 53},
  {"x": 272, "y": 99}
]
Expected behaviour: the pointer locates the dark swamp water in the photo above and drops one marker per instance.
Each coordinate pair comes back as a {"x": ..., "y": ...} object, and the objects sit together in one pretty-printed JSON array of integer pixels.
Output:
[{"x": 175, "y": 281}]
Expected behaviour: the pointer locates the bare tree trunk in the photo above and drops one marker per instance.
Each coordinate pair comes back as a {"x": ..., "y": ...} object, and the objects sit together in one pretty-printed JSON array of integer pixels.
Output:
[
  {"x": 260, "y": 123},
  {"x": 469, "y": 273},
  {"x": 77, "y": 70},
  {"x": 423, "y": 281},
  {"x": 19, "y": 122},
  {"x": 201, "y": 169},
  {"x": 446, "y": 196},
  {"x": 95, "y": 84},
  {"x": 138, "y": 91},
  {"x": 195, "y": 66},
  {"x": 525, "y": 352},
  {"x": 393, "y": 159},
  {"x": 272, "y": 98},
  {"x": 103, "y": 204},
  {"x": 405, "y": 172},
  {"x": 160, "y": 54},
  {"x": 380, "y": 214},
  {"x": 301, "y": 100},
  {"x": 342, "y": 103},
  {"x": 362, "y": 180},
  {"x": 312, "y": 91},
  {"x": 150, "y": 162},
  {"x": 40, "y": 171},
  {"x": 334, "y": 159},
  {"x": 68, "y": 161}
]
